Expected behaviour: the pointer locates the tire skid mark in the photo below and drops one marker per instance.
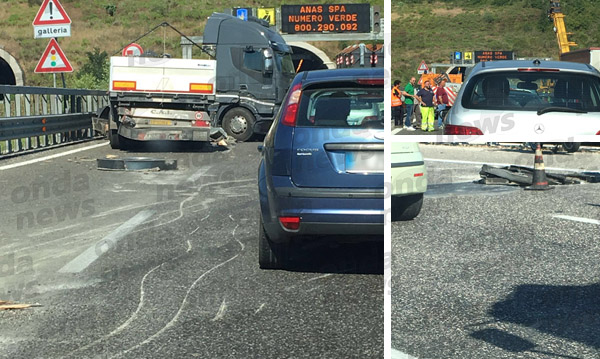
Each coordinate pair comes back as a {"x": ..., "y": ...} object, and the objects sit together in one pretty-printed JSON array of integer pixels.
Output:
[
  {"x": 172, "y": 322},
  {"x": 141, "y": 301}
]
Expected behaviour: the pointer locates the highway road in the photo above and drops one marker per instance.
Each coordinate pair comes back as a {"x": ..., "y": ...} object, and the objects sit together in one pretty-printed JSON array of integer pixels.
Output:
[
  {"x": 496, "y": 271},
  {"x": 163, "y": 264}
]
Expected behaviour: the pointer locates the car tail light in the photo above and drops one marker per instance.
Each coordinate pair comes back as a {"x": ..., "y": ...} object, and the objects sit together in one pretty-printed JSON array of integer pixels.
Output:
[
  {"x": 377, "y": 82},
  {"x": 290, "y": 111},
  {"x": 534, "y": 69},
  {"x": 291, "y": 223},
  {"x": 462, "y": 130},
  {"x": 418, "y": 174},
  {"x": 598, "y": 133}
]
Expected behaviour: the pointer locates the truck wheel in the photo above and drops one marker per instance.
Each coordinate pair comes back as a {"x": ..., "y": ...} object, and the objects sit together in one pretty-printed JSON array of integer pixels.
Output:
[
  {"x": 113, "y": 137},
  {"x": 571, "y": 146},
  {"x": 270, "y": 255},
  {"x": 407, "y": 207},
  {"x": 238, "y": 123}
]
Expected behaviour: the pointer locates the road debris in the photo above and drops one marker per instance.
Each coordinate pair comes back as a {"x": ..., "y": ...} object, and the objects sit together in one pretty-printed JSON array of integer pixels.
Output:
[
  {"x": 6, "y": 305},
  {"x": 523, "y": 176},
  {"x": 136, "y": 164}
]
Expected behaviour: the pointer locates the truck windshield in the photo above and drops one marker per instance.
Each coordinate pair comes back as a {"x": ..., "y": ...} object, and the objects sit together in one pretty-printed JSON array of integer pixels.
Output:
[{"x": 285, "y": 64}]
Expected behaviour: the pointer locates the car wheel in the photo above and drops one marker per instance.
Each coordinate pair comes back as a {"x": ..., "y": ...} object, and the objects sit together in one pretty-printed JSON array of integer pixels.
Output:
[
  {"x": 270, "y": 255},
  {"x": 239, "y": 123},
  {"x": 406, "y": 208},
  {"x": 571, "y": 146},
  {"x": 113, "y": 137}
]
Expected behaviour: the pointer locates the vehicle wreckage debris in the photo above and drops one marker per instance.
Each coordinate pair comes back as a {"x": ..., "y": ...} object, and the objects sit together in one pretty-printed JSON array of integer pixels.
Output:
[
  {"x": 523, "y": 176},
  {"x": 136, "y": 164},
  {"x": 6, "y": 305}
]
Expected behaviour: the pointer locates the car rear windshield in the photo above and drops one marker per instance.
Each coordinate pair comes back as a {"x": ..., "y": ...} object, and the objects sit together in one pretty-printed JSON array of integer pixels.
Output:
[
  {"x": 347, "y": 106},
  {"x": 532, "y": 91}
]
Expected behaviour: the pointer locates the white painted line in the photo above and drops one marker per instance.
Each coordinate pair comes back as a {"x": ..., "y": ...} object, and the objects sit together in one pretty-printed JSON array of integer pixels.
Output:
[
  {"x": 502, "y": 164},
  {"x": 396, "y": 354},
  {"x": 577, "y": 219},
  {"x": 94, "y": 252},
  {"x": 46, "y": 158}
]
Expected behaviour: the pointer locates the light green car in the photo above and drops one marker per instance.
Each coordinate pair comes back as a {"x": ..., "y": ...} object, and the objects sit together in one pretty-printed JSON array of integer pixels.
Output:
[{"x": 409, "y": 180}]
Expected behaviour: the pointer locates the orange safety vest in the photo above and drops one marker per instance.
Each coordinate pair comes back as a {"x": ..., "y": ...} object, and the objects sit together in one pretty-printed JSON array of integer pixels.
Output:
[{"x": 396, "y": 101}]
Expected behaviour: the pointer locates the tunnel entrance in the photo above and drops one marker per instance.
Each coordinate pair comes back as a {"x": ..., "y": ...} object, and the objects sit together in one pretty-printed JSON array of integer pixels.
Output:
[
  {"x": 10, "y": 71},
  {"x": 307, "y": 57},
  {"x": 7, "y": 75}
]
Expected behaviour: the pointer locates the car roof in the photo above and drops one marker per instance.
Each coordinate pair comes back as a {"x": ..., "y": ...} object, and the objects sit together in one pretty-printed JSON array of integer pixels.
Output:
[
  {"x": 516, "y": 64},
  {"x": 341, "y": 74}
]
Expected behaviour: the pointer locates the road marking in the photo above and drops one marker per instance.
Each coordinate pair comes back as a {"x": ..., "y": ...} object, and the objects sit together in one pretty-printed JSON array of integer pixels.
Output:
[
  {"x": 41, "y": 159},
  {"x": 396, "y": 354},
  {"x": 189, "y": 246},
  {"x": 501, "y": 164},
  {"x": 577, "y": 219},
  {"x": 90, "y": 255}
]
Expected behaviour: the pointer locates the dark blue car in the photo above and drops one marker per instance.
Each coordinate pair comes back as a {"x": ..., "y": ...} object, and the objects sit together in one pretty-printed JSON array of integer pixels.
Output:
[{"x": 321, "y": 172}]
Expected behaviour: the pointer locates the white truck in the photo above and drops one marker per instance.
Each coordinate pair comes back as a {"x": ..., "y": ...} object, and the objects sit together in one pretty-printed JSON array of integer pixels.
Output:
[{"x": 236, "y": 93}]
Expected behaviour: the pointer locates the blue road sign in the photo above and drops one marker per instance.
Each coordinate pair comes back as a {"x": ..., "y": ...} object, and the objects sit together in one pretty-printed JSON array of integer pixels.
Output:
[
  {"x": 242, "y": 14},
  {"x": 457, "y": 55}
]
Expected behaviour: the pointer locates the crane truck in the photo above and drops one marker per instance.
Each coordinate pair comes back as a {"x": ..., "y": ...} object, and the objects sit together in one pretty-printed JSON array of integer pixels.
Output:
[{"x": 236, "y": 93}]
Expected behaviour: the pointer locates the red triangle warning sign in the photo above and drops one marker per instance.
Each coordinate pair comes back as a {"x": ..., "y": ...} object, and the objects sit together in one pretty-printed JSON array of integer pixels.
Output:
[
  {"x": 51, "y": 13},
  {"x": 53, "y": 60},
  {"x": 423, "y": 66}
]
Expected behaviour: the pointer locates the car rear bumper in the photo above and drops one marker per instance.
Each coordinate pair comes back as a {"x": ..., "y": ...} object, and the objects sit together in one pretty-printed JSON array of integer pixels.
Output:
[
  {"x": 322, "y": 211},
  {"x": 408, "y": 178}
]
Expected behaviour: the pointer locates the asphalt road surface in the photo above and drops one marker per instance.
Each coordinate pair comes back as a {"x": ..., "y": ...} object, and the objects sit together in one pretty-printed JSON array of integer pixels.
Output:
[
  {"x": 496, "y": 271},
  {"x": 163, "y": 264}
]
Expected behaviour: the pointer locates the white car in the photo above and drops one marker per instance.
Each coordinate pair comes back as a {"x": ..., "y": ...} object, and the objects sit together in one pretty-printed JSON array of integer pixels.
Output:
[
  {"x": 540, "y": 98},
  {"x": 409, "y": 180}
]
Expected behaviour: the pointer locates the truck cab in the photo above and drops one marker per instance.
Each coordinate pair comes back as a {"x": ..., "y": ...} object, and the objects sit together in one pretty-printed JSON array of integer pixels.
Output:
[{"x": 254, "y": 71}]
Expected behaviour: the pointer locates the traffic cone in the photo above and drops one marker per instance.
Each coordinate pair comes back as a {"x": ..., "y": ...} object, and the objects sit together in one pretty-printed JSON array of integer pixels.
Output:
[{"x": 540, "y": 182}]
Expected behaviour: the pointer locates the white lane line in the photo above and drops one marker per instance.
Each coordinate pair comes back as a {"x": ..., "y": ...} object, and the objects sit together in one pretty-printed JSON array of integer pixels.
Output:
[
  {"x": 94, "y": 252},
  {"x": 41, "y": 159},
  {"x": 577, "y": 219},
  {"x": 194, "y": 231},
  {"x": 198, "y": 174},
  {"x": 396, "y": 354},
  {"x": 503, "y": 164}
]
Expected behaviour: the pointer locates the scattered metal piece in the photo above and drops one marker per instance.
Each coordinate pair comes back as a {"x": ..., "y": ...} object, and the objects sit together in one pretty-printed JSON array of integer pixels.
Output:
[
  {"x": 136, "y": 164},
  {"x": 523, "y": 176}
]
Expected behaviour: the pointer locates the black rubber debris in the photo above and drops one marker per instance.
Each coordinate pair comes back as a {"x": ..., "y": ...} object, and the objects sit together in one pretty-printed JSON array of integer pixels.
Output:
[{"x": 136, "y": 164}]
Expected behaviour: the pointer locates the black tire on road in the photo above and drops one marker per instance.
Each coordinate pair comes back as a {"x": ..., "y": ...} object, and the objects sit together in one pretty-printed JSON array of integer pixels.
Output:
[
  {"x": 113, "y": 137},
  {"x": 239, "y": 123},
  {"x": 405, "y": 208},
  {"x": 270, "y": 255},
  {"x": 571, "y": 146}
]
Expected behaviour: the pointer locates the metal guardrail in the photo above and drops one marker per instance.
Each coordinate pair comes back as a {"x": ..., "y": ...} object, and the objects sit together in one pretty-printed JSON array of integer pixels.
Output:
[{"x": 36, "y": 117}]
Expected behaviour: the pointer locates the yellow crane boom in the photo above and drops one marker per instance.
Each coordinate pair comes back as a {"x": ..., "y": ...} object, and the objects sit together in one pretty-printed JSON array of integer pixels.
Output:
[{"x": 556, "y": 14}]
